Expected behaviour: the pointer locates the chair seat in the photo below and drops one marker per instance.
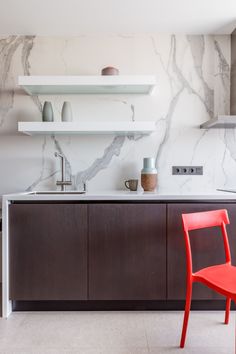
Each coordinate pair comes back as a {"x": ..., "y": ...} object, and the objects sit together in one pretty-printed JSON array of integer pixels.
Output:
[{"x": 222, "y": 277}]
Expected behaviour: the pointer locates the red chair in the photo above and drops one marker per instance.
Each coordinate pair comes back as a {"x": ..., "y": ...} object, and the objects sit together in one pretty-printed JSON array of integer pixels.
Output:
[{"x": 222, "y": 277}]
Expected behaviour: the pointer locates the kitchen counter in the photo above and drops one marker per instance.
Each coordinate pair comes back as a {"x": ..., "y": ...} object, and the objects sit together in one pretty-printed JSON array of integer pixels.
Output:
[
  {"x": 120, "y": 195},
  {"x": 35, "y": 214}
]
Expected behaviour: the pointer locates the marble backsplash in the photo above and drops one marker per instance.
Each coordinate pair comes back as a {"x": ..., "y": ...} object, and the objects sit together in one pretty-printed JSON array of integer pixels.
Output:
[{"x": 193, "y": 86}]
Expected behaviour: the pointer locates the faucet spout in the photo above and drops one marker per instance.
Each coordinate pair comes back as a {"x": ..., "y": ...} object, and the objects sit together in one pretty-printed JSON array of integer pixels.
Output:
[{"x": 63, "y": 183}]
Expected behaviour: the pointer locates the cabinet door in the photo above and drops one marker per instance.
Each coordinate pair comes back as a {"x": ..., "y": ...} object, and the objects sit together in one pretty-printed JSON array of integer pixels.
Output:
[
  {"x": 48, "y": 251},
  {"x": 127, "y": 251},
  {"x": 207, "y": 249}
]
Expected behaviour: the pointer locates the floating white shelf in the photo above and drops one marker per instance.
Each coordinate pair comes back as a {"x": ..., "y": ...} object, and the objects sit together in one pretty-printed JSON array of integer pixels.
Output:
[
  {"x": 116, "y": 84},
  {"x": 117, "y": 128},
  {"x": 221, "y": 122}
]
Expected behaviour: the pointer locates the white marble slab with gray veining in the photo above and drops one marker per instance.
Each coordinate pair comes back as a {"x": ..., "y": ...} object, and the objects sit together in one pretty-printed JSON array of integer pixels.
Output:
[{"x": 193, "y": 86}]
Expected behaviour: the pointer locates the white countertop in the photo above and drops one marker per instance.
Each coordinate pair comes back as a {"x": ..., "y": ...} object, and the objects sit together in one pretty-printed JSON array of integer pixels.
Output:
[{"x": 118, "y": 195}]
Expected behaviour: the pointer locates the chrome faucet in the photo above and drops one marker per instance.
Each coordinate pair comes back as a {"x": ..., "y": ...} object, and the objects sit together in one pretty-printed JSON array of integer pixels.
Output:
[{"x": 63, "y": 183}]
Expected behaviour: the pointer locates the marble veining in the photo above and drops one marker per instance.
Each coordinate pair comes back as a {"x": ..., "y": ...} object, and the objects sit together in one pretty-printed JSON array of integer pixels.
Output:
[
  {"x": 222, "y": 74},
  {"x": 100, "y": 163},
  {"x": 8, "y": 46},
  {"x": 167, "y": 118},
  {"x": 27, "y": 47},
  {"x": 222, "y": 104},
  {"x": 197, "y": 45},
  {"x": 193, "y": 75},
  {"x": 182, "y": 83}
]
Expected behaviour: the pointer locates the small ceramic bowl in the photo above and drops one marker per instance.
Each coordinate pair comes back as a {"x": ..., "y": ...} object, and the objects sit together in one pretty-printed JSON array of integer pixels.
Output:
[{"x": 110, "y": 70}]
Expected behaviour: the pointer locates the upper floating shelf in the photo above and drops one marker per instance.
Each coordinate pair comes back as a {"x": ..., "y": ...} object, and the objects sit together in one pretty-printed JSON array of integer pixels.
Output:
[
  {"x": 115, "y": 84},
  {"x": 83, "y": 127},
  {"x": 221, "y": 122}
]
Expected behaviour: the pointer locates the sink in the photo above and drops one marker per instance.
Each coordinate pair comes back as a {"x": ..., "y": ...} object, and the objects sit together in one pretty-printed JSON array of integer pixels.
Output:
[{"x": 56, "y": 192}]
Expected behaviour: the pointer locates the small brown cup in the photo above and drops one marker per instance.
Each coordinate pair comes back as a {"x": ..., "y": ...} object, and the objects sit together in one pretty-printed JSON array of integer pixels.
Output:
[{"x": 132, "y": 184}]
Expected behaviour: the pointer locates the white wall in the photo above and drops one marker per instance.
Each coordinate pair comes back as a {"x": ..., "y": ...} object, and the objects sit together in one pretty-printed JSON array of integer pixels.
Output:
[{"x": 193, "y": 81}]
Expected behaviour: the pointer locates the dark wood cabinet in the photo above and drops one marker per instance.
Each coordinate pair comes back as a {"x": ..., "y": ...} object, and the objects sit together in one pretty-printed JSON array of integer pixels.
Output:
[
  {"x": 207, "y": 249},
  {"x": 48, "y": 251},
  {"x": 127, "y": 251}
]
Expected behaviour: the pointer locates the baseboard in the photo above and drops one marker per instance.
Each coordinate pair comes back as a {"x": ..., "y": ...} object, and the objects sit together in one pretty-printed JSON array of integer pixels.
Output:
[{"x": 170, "y": 305}]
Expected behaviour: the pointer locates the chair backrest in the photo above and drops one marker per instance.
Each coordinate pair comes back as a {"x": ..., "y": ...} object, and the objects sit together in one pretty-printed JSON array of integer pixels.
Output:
[{"x": 202, "y": 220}]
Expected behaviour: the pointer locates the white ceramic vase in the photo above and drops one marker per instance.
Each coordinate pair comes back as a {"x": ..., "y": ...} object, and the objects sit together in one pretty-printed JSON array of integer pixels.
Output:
[{"x": 66, "y": 112}]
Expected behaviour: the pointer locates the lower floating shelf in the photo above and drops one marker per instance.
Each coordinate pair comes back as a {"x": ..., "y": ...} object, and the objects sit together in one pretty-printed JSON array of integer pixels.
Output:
[{"x": 117, "y": 128}]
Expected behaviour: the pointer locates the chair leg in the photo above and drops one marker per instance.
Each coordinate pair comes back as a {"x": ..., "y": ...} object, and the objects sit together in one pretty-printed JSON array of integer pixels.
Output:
[
  {"x": 227, "y": 310},
  {"x": 186, "y": 314}
]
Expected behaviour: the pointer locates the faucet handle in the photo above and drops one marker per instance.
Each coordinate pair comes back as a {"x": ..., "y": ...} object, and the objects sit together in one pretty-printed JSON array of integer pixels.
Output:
[
  {"x": 64, "y": 183},
  {"x": 57, "y": 154}
]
